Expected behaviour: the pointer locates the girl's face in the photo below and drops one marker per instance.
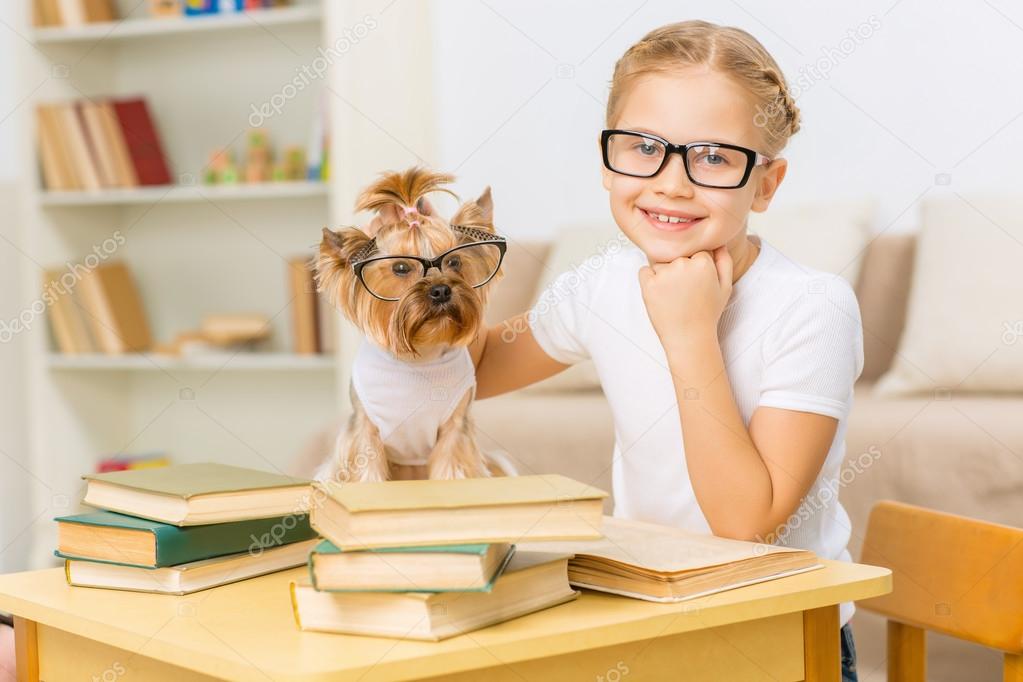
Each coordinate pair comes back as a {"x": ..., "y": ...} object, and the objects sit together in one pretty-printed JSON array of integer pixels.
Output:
[{"x": 695, "y": 104}]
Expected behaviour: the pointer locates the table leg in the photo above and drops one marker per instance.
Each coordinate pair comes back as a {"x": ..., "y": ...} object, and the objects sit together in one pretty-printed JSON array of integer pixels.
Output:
[
  {"x": 26, "y": 649},
  {"x": 822, "y": 649}
]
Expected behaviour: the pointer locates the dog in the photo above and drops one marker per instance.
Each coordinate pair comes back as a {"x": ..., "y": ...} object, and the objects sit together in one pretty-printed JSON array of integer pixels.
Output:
[{"x": 416, "y": 286}]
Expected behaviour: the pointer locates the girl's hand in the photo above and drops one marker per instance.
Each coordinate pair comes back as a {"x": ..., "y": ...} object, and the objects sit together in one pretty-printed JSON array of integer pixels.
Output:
[{"x": 687, "y": 295}]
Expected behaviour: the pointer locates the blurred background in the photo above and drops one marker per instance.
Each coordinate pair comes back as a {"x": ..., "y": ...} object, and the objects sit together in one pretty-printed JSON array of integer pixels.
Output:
[{"x": 164, "y": 179}]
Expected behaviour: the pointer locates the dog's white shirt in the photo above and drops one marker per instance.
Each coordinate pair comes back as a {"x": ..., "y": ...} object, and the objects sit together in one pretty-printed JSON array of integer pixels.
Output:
[{"x": 408, "y": 401}]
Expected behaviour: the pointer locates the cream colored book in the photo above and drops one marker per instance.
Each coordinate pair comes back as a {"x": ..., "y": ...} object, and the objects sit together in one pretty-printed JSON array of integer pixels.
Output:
[
  {"x": 190, "y": 577},
  {"x": 199, "y": 493},
  {"x": 661, "y": 563},
  {"x": 468, "y": 510},
  {"x": 532, "y": 581}
]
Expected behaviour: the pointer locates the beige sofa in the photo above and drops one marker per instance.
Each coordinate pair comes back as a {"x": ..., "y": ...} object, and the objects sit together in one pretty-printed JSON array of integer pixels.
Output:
[{"x": 932, "y": 450}]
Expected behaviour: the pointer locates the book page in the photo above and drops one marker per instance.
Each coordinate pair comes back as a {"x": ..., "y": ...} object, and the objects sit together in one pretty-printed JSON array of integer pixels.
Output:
[{"x": 661, "y": 549}]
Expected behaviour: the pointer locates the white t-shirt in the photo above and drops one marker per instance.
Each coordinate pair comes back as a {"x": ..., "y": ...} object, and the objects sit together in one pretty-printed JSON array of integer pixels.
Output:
[
  {"x": 409, "y": 401},
  {"x": 791, "y": 337}
]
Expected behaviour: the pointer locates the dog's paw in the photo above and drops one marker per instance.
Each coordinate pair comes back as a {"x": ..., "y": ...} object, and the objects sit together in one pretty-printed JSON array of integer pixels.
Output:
[{"x": 453, "y": 469}]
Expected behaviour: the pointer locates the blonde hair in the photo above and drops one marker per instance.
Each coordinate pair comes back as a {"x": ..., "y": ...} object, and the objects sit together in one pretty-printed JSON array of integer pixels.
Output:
[{"x": 729, "y": 50}]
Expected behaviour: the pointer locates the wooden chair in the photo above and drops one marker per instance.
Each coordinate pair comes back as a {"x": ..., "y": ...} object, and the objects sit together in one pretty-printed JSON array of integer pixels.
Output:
[{"x": 957, "y": 576}]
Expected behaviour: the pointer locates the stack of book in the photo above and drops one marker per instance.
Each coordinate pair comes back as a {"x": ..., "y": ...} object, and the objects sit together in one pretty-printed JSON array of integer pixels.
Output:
[
  {"x": 99, "y": 144},
  {"x": 96, "y": 310},
  {"x": 432, "y": 559},
  {"x": 184, "y": 528}
]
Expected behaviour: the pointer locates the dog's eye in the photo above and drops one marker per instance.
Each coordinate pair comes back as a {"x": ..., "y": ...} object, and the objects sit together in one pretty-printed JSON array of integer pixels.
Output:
[
  {"x": 453, "y": 263},
  {"x": 401, "y": 269}
]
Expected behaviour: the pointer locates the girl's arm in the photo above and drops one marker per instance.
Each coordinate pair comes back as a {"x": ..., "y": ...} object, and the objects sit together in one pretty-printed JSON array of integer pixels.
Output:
[
  {"x": 507, "y": 357},
  {"x": 748, "y": 482}
]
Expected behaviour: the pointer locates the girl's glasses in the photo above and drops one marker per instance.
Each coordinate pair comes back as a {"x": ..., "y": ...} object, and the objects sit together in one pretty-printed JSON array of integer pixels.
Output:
[
  {"x": 390, "y": 277},
  {"x": 708, "y": 164}
]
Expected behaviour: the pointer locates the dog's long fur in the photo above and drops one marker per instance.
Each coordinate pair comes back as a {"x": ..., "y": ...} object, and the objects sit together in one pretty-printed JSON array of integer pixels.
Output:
[{"x": 413, "y": 327}]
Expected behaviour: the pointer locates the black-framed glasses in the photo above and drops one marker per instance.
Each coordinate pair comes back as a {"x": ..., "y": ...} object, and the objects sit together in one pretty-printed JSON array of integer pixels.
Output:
[
  {"x": 390, "y": 277},
  {"x": 708, "y": 164}
]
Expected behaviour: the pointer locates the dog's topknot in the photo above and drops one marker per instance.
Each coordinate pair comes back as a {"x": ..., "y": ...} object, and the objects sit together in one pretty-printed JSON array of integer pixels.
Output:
[{"x": 404, "y": 191}]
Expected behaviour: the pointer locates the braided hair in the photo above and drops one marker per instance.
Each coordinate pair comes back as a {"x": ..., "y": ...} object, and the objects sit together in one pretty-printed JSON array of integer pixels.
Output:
[{"x": 727, "y": 49}]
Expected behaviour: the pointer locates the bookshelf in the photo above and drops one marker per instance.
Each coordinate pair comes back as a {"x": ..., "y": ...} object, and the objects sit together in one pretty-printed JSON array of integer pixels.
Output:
[
  {"x": 230, "y": 362},
  {"x": 186, "y": 193},
  {"x": 196, "y": 249},
  {"x": 150, "y": 28}
]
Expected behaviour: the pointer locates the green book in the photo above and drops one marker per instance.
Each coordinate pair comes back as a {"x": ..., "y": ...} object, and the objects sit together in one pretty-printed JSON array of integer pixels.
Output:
[
  {"x": 115, "y": 538},
  {"x": 438, "y": 568},
  {"x": 194, "y": 494}
]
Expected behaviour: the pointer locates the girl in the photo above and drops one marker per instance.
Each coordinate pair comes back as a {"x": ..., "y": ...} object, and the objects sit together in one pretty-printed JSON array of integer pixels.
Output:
[{"x": 729, "y": 369}]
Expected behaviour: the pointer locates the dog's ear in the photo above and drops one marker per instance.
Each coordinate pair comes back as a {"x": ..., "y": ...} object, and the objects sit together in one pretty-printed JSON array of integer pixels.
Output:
[
  {"x": 343, "y": 244},
  {"x": 486, "y": 203},
  {"x": 335, "y": 255},
  {"x": 478, "y": 213}
]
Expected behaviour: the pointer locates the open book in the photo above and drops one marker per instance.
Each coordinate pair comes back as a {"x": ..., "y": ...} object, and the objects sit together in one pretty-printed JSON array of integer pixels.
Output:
[{"x": 662, "y": 563}]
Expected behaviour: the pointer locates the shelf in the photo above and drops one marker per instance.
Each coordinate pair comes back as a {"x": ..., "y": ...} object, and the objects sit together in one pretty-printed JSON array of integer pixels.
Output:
[
  {"x": 185, "y": 193},
  {"x": 246, "y": 361},
  {"x": 136, "y": 28}
]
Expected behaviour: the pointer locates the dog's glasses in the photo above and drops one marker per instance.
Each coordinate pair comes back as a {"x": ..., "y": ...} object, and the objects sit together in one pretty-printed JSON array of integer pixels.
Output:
[
  {"x": 390, "y": 277},
  {"x": 708, "y": 164}
]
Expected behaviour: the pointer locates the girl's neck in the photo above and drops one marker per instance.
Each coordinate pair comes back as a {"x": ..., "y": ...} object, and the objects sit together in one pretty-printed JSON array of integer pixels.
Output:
[{"x": 743, "y": 257}]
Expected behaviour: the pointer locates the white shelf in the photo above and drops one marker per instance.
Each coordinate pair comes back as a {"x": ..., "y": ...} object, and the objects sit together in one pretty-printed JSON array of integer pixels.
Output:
[
  {"x": 137, "y": 28},
  {"x": 185, "y": 193},
  {"x": 246, "y": 361}
]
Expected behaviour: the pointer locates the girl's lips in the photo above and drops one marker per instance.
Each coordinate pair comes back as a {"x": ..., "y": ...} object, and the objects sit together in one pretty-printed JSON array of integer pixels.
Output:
[{"x": 669, "y": 227}]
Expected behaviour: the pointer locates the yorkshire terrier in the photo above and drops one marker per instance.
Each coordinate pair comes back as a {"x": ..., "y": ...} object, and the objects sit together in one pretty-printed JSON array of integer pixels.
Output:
[{"x": 416, "y": 286}]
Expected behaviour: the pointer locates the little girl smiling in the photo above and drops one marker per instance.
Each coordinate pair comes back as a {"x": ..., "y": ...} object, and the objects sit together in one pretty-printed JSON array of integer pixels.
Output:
[{"x": 729, "y": 368}]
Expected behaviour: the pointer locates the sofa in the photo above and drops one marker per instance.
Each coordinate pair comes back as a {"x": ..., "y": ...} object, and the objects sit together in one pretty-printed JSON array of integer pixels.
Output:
[{"x": 935, "y": 450}]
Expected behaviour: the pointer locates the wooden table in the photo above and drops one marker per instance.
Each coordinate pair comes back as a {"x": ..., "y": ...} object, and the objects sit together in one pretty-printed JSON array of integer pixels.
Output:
[{"x": 786, "y": 629}]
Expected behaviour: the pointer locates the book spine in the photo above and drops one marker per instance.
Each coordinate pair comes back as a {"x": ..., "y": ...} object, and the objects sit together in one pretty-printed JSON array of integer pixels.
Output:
[
  {"x": 303, "y": 307},
  {"x": 100, "y": 313},
  {"x": 143, "y": 142}
]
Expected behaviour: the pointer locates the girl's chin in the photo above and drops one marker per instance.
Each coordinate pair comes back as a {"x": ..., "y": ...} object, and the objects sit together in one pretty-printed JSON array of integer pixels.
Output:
[{"x": 657, "y": 251}]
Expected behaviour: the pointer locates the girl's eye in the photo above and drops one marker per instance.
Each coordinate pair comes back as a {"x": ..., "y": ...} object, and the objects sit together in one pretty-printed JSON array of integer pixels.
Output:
[
  {"x": 647, "y": 149},
  {"x": 712, "y": 159}
]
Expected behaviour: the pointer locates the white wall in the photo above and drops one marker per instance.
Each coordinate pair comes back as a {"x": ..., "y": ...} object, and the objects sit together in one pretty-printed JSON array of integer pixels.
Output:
[
  {"x": 928, "y": 86},
  {"x": 15, "y": 481}
]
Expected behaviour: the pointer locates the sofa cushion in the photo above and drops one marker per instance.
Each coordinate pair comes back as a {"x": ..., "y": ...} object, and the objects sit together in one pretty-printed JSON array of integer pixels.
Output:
[
  {"x": 882, "y": 291},
  {"x": 524, "y": 263},
  {"x": 829, "y": 236},
  {"x": 964, "y": 325}
]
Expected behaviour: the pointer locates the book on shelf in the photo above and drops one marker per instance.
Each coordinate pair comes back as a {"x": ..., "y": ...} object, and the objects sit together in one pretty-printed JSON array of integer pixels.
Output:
[
  {"x": 305, "y": 317},
  {"x": 198, "y": 493},
  {"x": 532, "y": 581},
  {"x": 115, "y": 538},
  {"x": 113, "y": 308},
  {"x": 99, "y": 144},
  {"x": 72, "y": 12},
  {"x": 661, "y": 563},
  {"x": 197, "y": 8},
  {"x": 468, "y": 510},
  {"x": 439, "y": 568},
  {"x": 67, "y": 316},
  {"x": 189, "y": 577}
]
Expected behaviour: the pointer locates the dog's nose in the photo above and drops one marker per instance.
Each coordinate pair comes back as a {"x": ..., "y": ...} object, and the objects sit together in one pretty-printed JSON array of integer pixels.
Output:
[{"x": 440, "y": 293}]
